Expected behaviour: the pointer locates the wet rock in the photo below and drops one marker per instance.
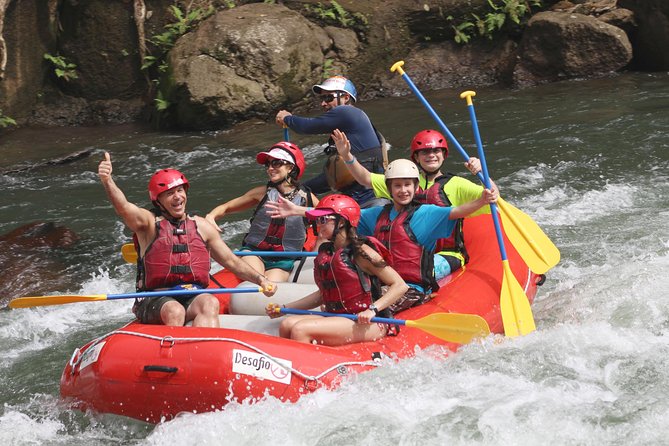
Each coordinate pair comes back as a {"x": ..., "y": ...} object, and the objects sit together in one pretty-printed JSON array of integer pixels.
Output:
[
  {"x": 559, "y": 45},
  {"x": 244, "y": 63},
  {"x": 30, "y": 261}
]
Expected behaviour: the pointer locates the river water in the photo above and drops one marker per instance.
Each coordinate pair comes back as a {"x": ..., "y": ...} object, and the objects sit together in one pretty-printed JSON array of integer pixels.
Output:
[{"x": 588, "y": 160}]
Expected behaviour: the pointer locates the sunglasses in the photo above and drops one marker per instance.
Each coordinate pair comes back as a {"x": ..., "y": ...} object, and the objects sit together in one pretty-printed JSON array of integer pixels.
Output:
[
  {"x": 275, "y": 164},
  {"x": 431, "y": 151},
  {"x": 327, "y": 98},
  {"x": 323, "y": 219}
]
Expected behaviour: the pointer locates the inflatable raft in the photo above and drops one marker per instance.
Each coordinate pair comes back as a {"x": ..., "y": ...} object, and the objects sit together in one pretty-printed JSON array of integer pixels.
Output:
[{"x": 153, "y": 373}]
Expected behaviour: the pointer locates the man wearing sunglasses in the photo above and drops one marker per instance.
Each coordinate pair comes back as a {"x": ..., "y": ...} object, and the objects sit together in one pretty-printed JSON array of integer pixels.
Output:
[{"x": 337, "y": 96}]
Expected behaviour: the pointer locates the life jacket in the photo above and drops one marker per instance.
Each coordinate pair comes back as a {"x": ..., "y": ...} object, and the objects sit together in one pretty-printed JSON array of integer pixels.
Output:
[
  {"x": 412, "y": 261},
  {"x": 435, "y": 195},
  {"x": 344, "y": 287},
  {"x": 177, "y": 255},
  {"x": 278, "y": 234}
]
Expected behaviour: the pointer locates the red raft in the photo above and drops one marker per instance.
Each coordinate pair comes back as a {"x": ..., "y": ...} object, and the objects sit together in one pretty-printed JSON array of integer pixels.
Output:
[{"x": 152, "y": 373}]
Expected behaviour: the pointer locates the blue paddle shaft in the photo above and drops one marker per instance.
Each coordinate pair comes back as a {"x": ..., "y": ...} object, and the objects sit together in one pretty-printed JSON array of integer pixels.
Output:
[
  {"x": 276, "y": 253},
  {"x": 286, "y": 136},
  {"x": 353, "y": 317},
  {"x": 173, "y": 293},
  {"x": 486, "y": 180}
]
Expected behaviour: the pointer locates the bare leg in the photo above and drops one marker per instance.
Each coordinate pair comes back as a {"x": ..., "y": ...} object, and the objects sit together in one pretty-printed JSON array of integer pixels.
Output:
[
  {"x": 203, "y": 311},
  {"x": 277, "y": 275},
  {"x": 288, "y": 323},
  {"x": 173, "y": 313},
  {"x": 334, "y": 331}
]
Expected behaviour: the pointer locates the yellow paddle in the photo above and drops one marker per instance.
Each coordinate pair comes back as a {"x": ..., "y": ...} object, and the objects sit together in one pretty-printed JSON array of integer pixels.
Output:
[
  {"x": 39, "y": 301},
  {"x": 451, "y": 327},
  {"x": 532, "y": 244},
  {"x": 515, "y": 307}
]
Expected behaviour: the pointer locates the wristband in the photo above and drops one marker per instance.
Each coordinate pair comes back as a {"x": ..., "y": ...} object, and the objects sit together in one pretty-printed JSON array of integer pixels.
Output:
[{"x": 348, "y": 163}]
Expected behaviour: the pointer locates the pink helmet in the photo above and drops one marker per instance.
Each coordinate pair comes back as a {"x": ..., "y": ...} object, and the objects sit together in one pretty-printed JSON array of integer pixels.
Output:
[
  {"x": 428, "y": 139},
  {"x": 296, "y": 155},
  {"x": 166, "y": 179},
  {"x": 339, "y": 204}
]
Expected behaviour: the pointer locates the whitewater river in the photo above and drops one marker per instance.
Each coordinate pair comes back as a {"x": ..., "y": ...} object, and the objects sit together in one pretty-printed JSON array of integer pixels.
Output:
[{"x": 588, "y": 160}]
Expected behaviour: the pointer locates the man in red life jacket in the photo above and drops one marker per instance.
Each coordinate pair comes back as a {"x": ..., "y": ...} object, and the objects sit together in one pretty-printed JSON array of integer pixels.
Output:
[{"x": 174, "y": 251}]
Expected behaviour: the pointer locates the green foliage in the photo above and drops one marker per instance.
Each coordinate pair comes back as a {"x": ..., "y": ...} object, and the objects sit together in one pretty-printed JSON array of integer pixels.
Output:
[
  {"x": 184, "y": 21},
  {"x": 494, "y": 20},
  {"x": 62, "y": 68},
  {"x": 6, "y": 121},
  {"x": 328, "y": 68},
  {"x": 336, "y": 14}
]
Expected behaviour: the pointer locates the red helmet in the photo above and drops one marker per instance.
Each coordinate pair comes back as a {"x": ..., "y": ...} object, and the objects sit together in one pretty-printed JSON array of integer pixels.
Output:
[
  {"x": 339, "y": 204},
  {"x": 428, "y": 139},
  {"x": 295, "y": 153},
  {"x": 166, "y": 179}
]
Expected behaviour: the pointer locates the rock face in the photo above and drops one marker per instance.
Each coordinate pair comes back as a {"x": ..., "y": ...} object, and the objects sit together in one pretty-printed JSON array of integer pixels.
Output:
[
  {"x": 561, "y": 45},
  {"x": 245, "y": 62},
  {"x": 249, "y": 61},
  {"x": 651, "y": 41}
]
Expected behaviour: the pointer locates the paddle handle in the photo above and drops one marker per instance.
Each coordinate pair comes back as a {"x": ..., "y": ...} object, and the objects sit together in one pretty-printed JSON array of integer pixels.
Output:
[
  {"x": 173, "y": 293},
  {"x": 353, "y": 317},
  {"x": 286, "y": 135},
  {"x": 435, "y": 116}
]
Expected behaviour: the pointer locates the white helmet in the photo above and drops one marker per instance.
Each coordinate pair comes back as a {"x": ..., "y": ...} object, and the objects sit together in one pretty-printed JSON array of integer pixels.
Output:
[{"x": 402, "y": 169}]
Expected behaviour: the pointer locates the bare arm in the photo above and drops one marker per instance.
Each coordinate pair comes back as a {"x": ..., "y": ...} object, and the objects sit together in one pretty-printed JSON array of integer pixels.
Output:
[
  {"x": 246, "y": 201},
  {"x": 226, "y": 258},
  {"x": 138, "y": 220},
  {"x": 396, "y": 285},
  {"x": 488, "y": 196},
  {"x": 359, "y": 172}
]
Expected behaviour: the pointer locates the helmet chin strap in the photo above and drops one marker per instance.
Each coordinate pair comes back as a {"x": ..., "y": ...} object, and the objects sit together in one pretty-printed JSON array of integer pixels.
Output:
[{"x": 164, "y": 212}]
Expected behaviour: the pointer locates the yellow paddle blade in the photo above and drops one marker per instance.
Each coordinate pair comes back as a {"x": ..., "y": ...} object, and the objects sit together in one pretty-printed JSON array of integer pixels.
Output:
[
  {"x": 38, "y": 301},
  {"x": 453, "y": 327},
  {"x": 515, "y": 307},
  {"x": 533, "y": 245},
  {"x": 128, "y": 252}
]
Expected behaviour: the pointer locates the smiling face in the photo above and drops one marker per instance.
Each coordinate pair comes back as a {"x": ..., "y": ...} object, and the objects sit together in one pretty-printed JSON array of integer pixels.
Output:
[
  {"x": 173, "y": 202},
  {"x": 277, "y": 170},
  {"x": 430, "y": 159},
  {"x": 402, "y": 190}
]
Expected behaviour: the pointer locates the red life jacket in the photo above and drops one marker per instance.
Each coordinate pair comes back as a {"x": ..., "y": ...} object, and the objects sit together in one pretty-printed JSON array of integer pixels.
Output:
[
  {"x": 411, "y": 260},
  {"x": 177, "y": 256},
  {"x": 344, "y": 287},
  {"x": 278, "y": 234},
  {"x": 435, "y": 195}
]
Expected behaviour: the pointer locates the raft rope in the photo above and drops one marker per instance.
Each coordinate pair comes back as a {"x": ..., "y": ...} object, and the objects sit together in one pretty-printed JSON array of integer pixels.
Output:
[{"x": 77, "y": 357}]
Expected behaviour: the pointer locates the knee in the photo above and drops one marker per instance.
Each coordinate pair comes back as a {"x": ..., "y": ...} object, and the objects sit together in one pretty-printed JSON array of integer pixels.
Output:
[
  {"x": 173, "y": 313},
  {"x": 210, "y": 305}
]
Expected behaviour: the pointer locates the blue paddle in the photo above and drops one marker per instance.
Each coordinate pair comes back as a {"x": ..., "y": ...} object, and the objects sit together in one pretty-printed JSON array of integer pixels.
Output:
[{"x": 38, "y": 301}]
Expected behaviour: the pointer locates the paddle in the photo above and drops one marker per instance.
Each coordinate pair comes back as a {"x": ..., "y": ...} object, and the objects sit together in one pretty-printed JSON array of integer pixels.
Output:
[
  {"x": 533, "y": 245},
  {"x": 28, "y": 302},
  {"x": 516, "y": 312},
  {"x": 451, "y": 327},
  {"x": 130, "y": 255},
  {"x": 286, "y": 136}
]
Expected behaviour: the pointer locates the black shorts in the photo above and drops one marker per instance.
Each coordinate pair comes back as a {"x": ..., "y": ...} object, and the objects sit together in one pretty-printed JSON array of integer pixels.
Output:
[{"x": 147, "y": 310}]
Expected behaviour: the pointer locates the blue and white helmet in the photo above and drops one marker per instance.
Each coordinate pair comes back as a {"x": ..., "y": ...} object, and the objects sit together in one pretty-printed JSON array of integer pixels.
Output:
[{"x": 337, "y": 83}]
